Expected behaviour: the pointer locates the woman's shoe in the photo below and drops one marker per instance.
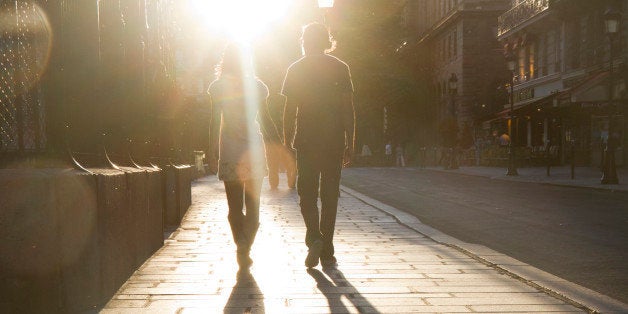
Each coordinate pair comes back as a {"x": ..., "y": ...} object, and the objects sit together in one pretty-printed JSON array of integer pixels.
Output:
[{"x": 244, "y": 260}]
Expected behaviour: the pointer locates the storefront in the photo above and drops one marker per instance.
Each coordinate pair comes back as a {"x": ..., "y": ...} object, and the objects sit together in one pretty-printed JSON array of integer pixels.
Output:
[
  {"x": 576, "y": 120},
  {"x": 593, "y": 119}
]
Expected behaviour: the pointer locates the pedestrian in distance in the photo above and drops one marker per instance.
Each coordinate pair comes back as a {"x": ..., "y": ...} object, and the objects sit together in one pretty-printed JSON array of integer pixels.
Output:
[
  {"x": 388, "y": 151},
  {"x": 319, "y": 102},
  {"x": 399, "y": 156},
  {"x": 279, "y": 159},
  {"x": 237, "y": 97},
  {"x": 366, "y": 155},
  {"x": 273, "y": 143}
]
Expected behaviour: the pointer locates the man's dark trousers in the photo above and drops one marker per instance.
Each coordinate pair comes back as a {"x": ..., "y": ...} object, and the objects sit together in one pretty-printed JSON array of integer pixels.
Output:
[{"x": 324, "y": 167}]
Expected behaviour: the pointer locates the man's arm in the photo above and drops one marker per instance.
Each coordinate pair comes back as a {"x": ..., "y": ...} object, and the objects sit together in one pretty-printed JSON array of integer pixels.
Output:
[
  {"x": 289, "y": 122},
  {"x": 348, "y": 121},
  {"x": 267, "y": 125}
]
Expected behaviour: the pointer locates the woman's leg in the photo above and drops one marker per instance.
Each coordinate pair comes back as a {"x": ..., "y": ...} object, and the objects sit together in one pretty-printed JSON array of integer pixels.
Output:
[
  {"x": 238, "y": 221},
  {"x": 273, "y": 161},
  {"x": 252, "y": 190},
  {"x": 235, "y": 200}
]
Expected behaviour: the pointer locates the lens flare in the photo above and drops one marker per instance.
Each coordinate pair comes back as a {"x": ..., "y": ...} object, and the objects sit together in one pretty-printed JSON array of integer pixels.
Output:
[{"x": 242, "y": 20}]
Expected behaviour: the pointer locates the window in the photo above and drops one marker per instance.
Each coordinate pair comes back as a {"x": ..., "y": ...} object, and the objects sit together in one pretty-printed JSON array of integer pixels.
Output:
[
  {"x": 531, "y": 60},
  {"x": 455, "y": 44},
  {"x": 521, "y": 56},
  {"x": 551, "y": 45},
  {"x": 445, "y": 49},
  {"x": 449, "y": 48},
  {"x": 586, "y": 53},
  {"x": 542, "y": 56},
  {"x": 572, "y": 56},
  {"x": 598, "y": 41},
  {"x": 441, "y": 52},
  {"x": 559, "y": 53}
]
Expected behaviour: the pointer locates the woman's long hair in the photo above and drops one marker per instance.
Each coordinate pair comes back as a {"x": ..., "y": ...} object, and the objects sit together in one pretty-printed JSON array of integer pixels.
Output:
[{"x": 235, "y": 62}]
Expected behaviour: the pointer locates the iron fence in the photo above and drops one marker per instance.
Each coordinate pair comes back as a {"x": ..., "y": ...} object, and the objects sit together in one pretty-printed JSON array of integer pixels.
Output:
[
  {"x": 21, "y": 106},
  {"x": 89, "y": 76}
]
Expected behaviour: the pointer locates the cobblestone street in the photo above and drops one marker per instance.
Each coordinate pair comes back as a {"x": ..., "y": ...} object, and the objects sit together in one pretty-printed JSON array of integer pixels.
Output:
[{"x": 384, "y": 267}]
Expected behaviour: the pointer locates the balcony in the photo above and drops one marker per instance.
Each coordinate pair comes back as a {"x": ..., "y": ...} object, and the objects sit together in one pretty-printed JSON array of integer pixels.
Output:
[{"x": 520, "y": 14}]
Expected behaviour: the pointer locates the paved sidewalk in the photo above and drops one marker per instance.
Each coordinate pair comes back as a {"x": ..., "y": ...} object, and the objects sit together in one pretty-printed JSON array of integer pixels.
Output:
[
  {"x": 385, "y": 266},
  {"x": 583, "y": 176}
]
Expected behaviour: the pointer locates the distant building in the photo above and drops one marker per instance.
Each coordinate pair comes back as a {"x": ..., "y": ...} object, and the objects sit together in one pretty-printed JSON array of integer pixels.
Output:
[{"x": 453, "y": 47}]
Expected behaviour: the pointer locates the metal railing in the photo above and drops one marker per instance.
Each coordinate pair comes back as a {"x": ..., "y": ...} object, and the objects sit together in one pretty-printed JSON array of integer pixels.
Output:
[
  {"x": 89, "y": 76},
  {"x": 519, "y": 14},
  {"x": 21, "y": 104}
]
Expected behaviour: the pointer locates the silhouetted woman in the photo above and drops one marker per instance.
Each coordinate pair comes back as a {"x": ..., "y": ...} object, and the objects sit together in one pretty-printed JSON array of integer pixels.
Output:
[{"x": 237, "y": 97}]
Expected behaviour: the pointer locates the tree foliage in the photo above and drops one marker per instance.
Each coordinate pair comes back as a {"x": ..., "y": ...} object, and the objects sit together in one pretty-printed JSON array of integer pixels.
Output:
[{"x": 369, "y": 33}]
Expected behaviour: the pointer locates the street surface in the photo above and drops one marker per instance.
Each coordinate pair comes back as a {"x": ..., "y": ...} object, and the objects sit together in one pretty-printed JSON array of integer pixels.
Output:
[
  {"x": 384, "y": 266},
  {"x": 578, "y": 234}
]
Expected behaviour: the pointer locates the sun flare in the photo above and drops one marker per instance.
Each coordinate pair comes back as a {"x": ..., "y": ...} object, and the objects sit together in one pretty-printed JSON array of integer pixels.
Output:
[{"x": 241, "y": 20}]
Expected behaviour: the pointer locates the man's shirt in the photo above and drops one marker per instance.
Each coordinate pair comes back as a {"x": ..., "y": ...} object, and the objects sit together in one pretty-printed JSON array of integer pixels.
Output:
[{"x": 316, "y": 84}]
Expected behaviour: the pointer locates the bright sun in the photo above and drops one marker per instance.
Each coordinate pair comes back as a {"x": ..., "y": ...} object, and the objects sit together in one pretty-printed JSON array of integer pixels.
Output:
[{"x": 240, "y": 19}]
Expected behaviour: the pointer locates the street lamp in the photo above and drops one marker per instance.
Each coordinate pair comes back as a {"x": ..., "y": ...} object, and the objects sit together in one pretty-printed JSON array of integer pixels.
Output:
[
  {"x": 511, "y": 62},
  {"x": 325, "y": 5},
  {"x": 612, "y": 20},
  {"x": 453, "y": 91}
]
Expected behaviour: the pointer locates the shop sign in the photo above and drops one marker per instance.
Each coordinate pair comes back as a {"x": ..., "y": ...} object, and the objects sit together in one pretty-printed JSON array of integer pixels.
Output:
[{"x": 591, "y": 105}]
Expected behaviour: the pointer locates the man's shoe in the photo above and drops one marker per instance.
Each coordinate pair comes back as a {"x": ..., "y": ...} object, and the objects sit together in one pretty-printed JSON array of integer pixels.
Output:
[
  {"x": 329, "y": 261},
  {"x": 313, "y": 254}
]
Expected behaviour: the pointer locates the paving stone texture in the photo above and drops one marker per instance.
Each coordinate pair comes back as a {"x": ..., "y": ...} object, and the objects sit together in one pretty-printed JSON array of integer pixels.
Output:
[{"x": 384, "y": 267}]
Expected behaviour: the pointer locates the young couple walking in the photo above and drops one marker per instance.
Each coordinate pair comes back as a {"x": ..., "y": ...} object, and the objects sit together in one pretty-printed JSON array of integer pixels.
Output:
[{"x": 318, "y": 126}]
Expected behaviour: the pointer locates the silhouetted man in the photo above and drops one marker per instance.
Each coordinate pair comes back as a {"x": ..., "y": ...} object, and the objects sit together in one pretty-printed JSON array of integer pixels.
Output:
[{"x": 319, "y": 99}]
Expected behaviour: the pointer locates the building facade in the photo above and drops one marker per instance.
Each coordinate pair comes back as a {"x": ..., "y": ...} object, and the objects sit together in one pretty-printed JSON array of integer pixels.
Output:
[
  {"x": 455, "y": 50},
  {"x": 562, "y": 79}
]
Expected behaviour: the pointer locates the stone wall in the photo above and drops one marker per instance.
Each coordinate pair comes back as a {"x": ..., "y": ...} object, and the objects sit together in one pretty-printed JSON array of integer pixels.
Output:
[{"x": 70, "y": 239}]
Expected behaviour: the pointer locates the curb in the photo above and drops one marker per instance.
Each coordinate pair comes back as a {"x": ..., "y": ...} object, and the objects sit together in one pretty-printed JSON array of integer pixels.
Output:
[
  {"x": 503, "y": 178},
  {"x": 576, "y": 295}
]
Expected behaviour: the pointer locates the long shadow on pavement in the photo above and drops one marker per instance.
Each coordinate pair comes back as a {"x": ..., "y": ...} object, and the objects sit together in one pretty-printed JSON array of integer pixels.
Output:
[
  {"x": 246, "y": 296},
  {"x": 338, "y": 286}
]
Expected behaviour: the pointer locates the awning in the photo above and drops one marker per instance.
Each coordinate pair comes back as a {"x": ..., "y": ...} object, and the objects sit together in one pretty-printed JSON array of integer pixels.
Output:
[
  {"x": 535, "y": 105},
  {"x": 594, "y": 89}
]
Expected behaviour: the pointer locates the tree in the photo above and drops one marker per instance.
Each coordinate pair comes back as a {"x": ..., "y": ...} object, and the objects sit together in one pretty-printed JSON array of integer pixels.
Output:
[{"x": 369, "y": 35}]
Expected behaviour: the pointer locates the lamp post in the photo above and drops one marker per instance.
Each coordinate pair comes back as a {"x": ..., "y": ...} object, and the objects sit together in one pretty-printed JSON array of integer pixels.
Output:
[
  {"x": 453, "y": 91},
  {"x": 511, "y": 62},
  {"x": 612, "y": 20},
  {"x": 325, "y": 3}
]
